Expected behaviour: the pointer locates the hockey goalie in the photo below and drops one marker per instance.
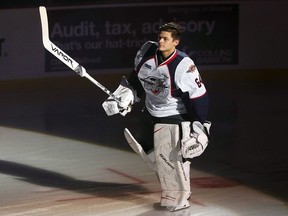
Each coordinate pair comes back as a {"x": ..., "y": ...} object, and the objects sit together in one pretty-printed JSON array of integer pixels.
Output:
[{"x": 173, "y": 127}]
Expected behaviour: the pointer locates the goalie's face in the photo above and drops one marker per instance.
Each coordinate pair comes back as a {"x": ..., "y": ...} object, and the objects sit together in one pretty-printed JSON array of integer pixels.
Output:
[{"x": 167, "y": 44}]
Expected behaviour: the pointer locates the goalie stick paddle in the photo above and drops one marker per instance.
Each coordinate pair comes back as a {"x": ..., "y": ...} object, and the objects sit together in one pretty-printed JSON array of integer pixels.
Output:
[{"x": 62, "y": 56}]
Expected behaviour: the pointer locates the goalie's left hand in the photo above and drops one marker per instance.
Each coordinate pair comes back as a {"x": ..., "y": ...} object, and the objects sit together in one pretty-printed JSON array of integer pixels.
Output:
[{"x": 195, "y": 142}]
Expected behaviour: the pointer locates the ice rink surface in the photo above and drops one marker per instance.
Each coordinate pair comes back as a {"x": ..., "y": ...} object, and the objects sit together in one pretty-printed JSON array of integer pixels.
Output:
[{"x": 62, "y": 156}]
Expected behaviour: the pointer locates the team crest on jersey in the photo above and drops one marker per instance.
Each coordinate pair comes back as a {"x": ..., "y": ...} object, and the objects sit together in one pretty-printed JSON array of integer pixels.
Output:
[
  {"x": 155, "y": 84},
  {"x": 191, "y": 69}
]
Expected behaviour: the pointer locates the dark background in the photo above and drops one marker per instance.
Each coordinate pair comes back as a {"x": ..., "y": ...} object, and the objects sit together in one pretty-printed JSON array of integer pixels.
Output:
[
  {"x": 35, "y": 3},
  {"x": 248, "y": 109}
]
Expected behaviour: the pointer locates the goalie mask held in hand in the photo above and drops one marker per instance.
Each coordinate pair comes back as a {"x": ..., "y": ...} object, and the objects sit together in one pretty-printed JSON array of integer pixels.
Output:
[{"x": 126, "y": 96}]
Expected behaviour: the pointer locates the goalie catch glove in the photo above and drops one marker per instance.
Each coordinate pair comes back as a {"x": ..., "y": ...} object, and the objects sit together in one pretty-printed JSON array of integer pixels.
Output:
[
  {"x": 126, "y": 96},
  {"x": 194, "y": 142}
]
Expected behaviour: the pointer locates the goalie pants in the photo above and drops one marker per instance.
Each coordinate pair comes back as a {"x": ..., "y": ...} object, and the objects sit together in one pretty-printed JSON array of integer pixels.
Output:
[{"x": 145, "y": 132}]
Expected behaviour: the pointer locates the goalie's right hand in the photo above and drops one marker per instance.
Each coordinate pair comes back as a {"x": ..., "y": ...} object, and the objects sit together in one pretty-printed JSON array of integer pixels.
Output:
[
  {"x": 112, "y": 107},
  {"x": 126, "y": 97}
]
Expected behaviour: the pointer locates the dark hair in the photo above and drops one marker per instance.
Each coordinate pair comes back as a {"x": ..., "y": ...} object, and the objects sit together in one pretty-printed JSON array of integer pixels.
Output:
[{"x": 175, "y": 29}]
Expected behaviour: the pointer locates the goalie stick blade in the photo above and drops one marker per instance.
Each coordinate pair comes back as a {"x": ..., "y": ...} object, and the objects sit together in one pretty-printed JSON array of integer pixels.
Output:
[
  {"x": 62, "y": 56},
  {"x": 52, "y": 48}
]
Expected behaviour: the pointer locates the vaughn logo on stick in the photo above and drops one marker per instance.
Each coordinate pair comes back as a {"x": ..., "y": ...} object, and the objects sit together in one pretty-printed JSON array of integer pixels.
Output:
[{"x": 61, "y": 54}]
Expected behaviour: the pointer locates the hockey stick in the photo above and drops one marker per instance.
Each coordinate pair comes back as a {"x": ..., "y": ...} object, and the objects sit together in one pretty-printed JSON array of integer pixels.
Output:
[{"x": 62, "y": 56}]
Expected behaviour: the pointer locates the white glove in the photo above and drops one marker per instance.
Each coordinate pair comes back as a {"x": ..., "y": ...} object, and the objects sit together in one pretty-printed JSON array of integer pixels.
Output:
[
  {"x": 193, "y": 144},
  {"x": 126, "y": 96}
]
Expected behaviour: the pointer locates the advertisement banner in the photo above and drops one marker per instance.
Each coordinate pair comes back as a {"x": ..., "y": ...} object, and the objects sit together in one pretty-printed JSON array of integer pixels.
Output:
[{"x": 108, "y": 37}]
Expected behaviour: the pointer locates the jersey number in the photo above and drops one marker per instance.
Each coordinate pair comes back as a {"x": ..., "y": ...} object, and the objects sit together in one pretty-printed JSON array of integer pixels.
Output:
[{"x": 198, "y": 81}]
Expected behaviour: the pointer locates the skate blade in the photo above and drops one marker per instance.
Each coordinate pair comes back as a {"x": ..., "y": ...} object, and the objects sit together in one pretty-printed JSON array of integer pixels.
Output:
[{"x": 177, "y": 208}]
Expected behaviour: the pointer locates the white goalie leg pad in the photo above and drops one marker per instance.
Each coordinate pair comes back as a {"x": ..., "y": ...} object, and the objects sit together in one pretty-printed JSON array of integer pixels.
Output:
[
  {"x": 194, "y": 143},
  {"x": 174, "y": 175},
  {"x": 148, "y": 159}
]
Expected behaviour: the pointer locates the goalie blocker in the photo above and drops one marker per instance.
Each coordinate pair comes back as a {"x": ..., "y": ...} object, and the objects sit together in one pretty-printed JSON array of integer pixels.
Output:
[{"x": 126, "y": 96}]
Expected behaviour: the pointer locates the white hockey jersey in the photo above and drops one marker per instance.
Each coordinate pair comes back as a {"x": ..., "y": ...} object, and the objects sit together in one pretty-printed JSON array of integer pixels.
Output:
[{"x": 165, "y": 82}]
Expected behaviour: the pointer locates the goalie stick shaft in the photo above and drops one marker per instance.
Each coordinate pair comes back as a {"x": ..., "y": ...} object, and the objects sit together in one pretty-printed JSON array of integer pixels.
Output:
[{"x": 64, "y": 57}]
